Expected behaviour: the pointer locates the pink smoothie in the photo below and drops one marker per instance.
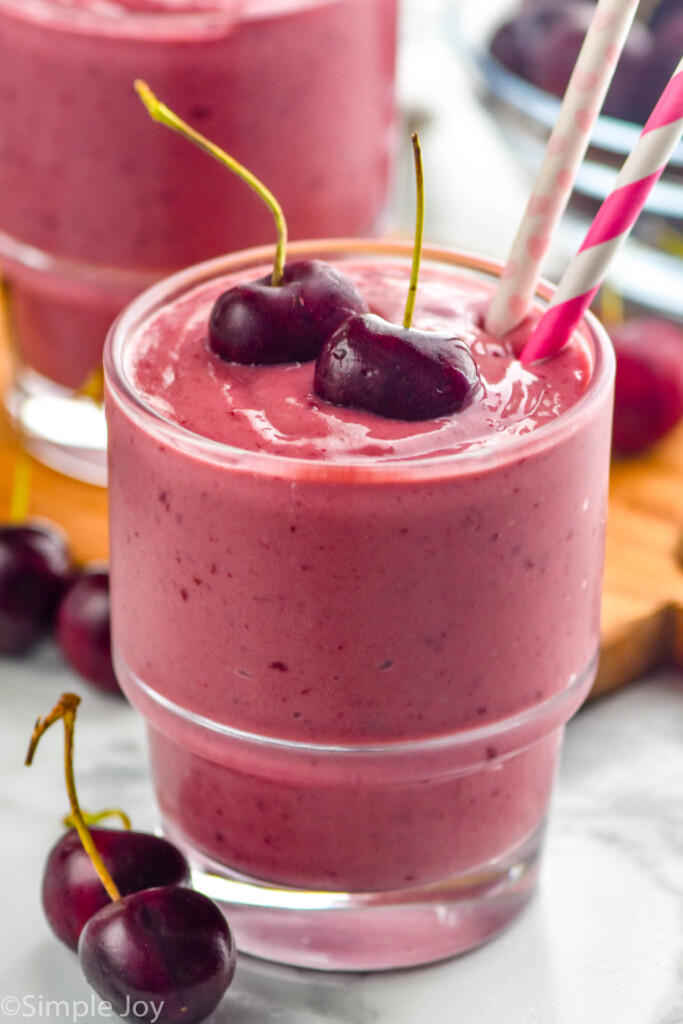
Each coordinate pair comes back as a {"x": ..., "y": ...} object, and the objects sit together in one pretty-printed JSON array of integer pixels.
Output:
[
  {"x": 300, "y": 91},
  {"x": 340, "y": 579}
]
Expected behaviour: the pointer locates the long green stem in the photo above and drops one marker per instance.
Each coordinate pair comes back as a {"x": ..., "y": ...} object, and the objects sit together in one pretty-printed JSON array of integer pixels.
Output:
[
  {"x": 160, "y": 112},
  {"x": 419, "y": 232},
  {"x": 65, "y": 709}
]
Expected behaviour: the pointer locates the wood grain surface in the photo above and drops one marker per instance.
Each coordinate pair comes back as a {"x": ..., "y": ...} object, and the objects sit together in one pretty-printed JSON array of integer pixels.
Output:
[{"x": 643, "y": 595}]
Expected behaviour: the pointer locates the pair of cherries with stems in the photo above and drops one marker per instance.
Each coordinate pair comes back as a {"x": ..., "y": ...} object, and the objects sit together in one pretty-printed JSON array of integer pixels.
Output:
[
  {"x": 308, "y": 310},
  {"x": 121, "y": 899},
  {"x": 43, "y": 591}
]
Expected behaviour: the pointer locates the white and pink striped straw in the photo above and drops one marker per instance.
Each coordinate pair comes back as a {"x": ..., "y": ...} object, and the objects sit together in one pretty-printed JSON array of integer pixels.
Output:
[
  {"x": 612, "y": 223},
  {"x": 564, "y": 152}
]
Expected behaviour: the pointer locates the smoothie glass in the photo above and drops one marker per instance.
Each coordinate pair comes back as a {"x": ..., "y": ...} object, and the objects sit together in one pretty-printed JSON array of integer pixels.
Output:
[
  {"x": 356, "y": 677},
  {"x": 97, "y": 203}
]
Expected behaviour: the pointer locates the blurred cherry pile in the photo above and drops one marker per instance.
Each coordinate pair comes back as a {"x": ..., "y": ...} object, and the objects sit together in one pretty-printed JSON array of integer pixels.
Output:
[
  {"x": 541, "y": 39},
  {"x": 43, "y": 592}
]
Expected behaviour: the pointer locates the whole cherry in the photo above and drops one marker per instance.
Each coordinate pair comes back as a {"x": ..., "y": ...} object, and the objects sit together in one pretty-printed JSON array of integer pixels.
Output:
[
  {"x": 648, "y": 390},
  {"x": 35, "y": 568},
  {"x": 259, "y": 322},
  {"x": 72, "y": 890},
  {"x": 166, "y": 951},
  {"x": 285, "y": 316},
  {"x": 397, "y": 371},
  {"x": 82, "y": 628},
  {"x": 552, "y": 63},
  {"x": 517, "y": 39}
]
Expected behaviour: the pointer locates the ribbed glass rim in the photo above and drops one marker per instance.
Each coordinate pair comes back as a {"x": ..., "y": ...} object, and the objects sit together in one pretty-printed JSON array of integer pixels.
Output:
[
  {"x": 552, "y": 709},
  {"x": 509, "y": 447}
]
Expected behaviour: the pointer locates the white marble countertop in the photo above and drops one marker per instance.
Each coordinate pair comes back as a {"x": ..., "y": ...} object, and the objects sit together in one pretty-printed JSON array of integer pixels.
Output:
[{"x": 600, "y": 943}]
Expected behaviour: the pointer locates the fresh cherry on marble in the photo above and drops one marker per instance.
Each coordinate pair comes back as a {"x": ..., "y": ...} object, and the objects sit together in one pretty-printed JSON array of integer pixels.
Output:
[
  {"x": 259, "y": 322},
  {"x": 648, "y": 400},
  {"x": 82, "y": 628},
  {"x": 394, "y": 371},
  {"x": 169, "y": 946},
  {"x": 167, "y": 951},
  {"x": 35, "y": 568},
  {"x": 72, "y": 891}
]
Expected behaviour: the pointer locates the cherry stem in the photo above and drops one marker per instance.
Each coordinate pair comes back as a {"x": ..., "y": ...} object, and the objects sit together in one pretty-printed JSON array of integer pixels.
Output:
[
  {"x": 95, "y": 818},
  {"x": 419, "y": 232},
  {"x": 611, "y": 306},
  {"x": 65, "y": 709},
  {"x": 93, "y": 386},
  {"x": 21, "y": 488},
  {"x": 160, "y": 112}
]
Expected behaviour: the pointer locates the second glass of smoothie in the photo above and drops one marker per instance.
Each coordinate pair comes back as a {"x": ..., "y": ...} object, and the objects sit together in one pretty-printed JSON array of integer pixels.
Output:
[
  {"x": 356, "y": 640},
  {"x": 96, "y": 204}
]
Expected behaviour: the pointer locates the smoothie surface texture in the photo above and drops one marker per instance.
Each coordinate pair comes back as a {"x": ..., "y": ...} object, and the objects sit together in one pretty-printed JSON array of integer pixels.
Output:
[{"x": 273, "y": 408}]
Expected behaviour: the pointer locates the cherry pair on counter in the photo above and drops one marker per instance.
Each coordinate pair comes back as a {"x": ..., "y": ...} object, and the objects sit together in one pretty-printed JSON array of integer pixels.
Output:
[
  {"x": 42, "y": 591},
  {"x": 121, "y": 900}
]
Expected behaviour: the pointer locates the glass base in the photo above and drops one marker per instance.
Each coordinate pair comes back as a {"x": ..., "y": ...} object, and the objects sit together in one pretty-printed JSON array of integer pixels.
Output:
[
  {"x": 64, "y": 432},
  {"x": 369, "y": 931}
]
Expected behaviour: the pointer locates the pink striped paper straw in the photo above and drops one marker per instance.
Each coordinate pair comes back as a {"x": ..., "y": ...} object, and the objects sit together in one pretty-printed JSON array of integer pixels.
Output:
[
  {"x": 566, "y": 148},
  {"x": 613, "y": 221}
]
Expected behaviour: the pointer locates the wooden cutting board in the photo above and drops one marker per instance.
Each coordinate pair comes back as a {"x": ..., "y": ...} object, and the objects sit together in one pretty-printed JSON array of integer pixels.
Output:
[
  {"x": 643, "y": 596},
  {"x": 642, "y": 611}
]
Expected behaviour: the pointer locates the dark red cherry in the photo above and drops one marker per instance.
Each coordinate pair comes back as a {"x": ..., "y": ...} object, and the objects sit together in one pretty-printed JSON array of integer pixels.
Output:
[
  {"x": 664, "y": 58},
  {"x": 518, "y": 39},
  {"x": 648, "y": 392},
  {"x": 164, "y": 955},
  {"x": 551, "y": 64},
  {"x": 72, "y": 890},
  {"x": 663, "y": 11},
  {"x": 258, "y": 322},
  {"x": 533, "y": 5},
  {"x": 622, "y": 100},
  {"x": 35, "y": 567},
  {"x": 83, "y": 629},
  {"x": 400, "y": 373}
]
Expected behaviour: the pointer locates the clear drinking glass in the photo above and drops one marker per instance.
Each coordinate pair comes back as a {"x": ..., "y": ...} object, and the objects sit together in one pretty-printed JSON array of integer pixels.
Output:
[
  {"x": 356, "y": 676},
  {"x": 97, "y": 202}
]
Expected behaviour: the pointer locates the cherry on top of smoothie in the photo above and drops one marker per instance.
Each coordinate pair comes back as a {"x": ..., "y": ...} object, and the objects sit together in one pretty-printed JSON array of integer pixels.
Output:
[{"x": 273, "y": 408}]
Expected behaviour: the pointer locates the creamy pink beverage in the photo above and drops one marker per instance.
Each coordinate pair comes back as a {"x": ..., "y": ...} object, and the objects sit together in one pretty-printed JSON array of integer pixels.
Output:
[
  {"x": 96, "y": 202},
  {"x": 356, "y": 639}
]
